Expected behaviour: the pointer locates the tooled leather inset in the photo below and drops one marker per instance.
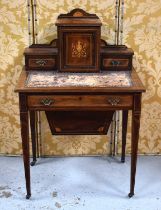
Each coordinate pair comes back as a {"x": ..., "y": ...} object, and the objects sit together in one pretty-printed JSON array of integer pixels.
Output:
[{"x": 49, "y": 79}]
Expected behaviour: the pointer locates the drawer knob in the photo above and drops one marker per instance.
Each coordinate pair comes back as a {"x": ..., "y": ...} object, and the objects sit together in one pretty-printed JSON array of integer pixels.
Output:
[
  {"x": 114, "y": 101},
  {"x": 46, "y": 102},
  {"x": 115, "y": 63},
  {"x": 41, "y": 62}
]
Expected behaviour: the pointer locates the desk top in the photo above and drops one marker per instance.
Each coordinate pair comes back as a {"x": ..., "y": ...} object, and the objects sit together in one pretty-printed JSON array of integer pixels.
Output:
[
  {"x": 109, "y": 81},
  {"x": 51, "y": 79}
]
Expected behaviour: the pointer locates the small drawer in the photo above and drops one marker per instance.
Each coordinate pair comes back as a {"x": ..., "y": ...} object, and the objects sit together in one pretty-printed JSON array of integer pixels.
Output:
[
  {"x": 41, "y": 62},
  {"x": 80, "y": 101},
  {"x": 116, "y": 58},
  {"x": 115, "y": 62},
  {"x": 40, "y": 58}
]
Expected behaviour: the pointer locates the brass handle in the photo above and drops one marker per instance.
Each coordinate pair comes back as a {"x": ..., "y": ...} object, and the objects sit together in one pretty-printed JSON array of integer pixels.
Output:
[
  {"x": 46, "y": 102},
  {"x": 114, "y": 101},
  {"x": 115, "y": 63},
  {"x": 41, "y": 62}
]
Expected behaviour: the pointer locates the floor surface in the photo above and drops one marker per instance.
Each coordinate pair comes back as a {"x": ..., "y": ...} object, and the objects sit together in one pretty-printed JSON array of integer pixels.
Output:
[{"x": 81, "y": 183}]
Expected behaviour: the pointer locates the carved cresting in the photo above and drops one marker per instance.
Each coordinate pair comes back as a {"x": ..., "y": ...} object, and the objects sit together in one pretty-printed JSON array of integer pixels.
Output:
[{"x": 79, "y": 50}]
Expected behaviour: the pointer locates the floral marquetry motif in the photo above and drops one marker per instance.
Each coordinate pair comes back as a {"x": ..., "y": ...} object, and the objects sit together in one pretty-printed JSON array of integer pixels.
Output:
[
  {"x": 78, "y": 14},
  {"x": 79, "y": 49}
]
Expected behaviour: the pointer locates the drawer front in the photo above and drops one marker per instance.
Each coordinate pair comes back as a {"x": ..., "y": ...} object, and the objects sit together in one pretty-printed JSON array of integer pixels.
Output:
[
  {"x": 41, "y": 63},
  {"x": 115, "y": 63},
  {"x": 80, "y": 101}
]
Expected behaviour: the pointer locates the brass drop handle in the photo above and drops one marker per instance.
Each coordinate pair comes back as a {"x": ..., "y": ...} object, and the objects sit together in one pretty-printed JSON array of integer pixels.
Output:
[
  {"x": 114, "y": 101},
  {"x": 115, "y": 63},
  {"x": 47, "y": 102},
  {"x": 41, "y": 62}
]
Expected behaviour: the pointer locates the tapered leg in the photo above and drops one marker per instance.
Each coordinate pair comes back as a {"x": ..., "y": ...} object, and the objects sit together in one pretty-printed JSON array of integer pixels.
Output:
[
  {"x": 25, "y": 148},
  {"x": 33, "y": 126},
  {"x": 124, "y": 132},
  {"x": 134, "y": 141}
]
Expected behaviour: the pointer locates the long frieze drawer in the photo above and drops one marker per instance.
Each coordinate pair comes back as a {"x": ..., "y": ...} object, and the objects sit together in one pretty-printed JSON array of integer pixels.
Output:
[
  {"x": 41, "y": 63},
  {"x": 116, "y": 63},
  {"x": 80, "y": 101}
]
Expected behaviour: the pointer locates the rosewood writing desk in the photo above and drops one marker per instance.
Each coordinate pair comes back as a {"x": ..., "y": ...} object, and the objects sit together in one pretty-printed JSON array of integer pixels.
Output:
[{"x": 79, "y": 81}]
